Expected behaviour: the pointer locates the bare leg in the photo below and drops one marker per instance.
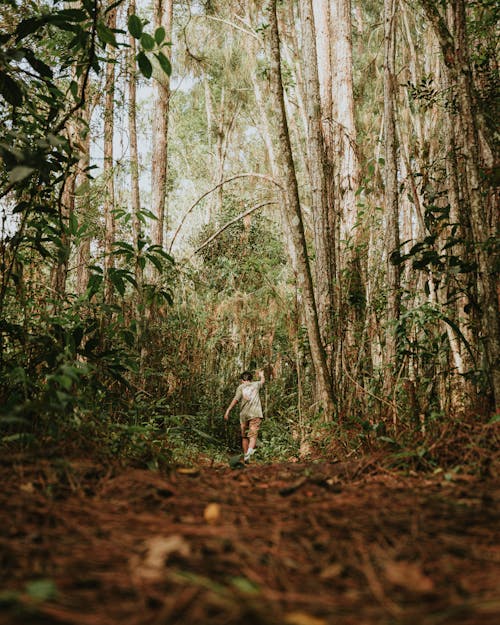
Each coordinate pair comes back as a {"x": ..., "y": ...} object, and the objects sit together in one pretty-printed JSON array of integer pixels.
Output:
[
  {"x": 253, "y": 432},
  {"x": 244, "y": 438}
]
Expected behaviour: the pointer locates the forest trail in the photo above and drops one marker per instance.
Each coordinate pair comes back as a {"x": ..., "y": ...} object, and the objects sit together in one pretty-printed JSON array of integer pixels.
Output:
[{"x": 292, "y": 544}]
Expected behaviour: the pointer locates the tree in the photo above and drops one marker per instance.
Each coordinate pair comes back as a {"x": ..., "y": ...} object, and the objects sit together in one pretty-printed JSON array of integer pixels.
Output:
[
  {"x": 108, "y": 169},
  {"x": 319, "y": 169},
  {"x": 162, "y": 19},
  {"x": 291, "y": 206},
  {"x": 391, "y": 192},
  {"x": 455, "y": 50}
]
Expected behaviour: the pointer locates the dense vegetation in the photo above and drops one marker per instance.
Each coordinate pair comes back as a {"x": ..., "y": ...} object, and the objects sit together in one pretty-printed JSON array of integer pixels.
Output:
[{"x": 130, "y": 302}]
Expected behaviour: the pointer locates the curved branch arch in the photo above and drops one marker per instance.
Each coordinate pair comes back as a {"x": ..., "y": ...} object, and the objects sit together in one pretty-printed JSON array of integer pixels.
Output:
[{"x": 217, "y": 186}]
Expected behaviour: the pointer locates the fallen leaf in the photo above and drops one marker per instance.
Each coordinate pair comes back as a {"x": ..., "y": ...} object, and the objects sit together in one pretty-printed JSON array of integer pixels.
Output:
[
  {"x": 408, "y": 575},
  {"x": 301, "y": 618},
  {"x": 331, "y": 571},
  {"x": 188, "y": 470},
  {"x": 291, "y": 488},
  {"x": 245, "y": 586},
  {"x": 212, "y": 513},
  {"x": 27, "y": 488},
  {"x": 158, "y": 549}
]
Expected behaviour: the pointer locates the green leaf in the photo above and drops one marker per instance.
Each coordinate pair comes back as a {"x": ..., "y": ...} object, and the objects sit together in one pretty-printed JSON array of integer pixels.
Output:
[
  {"x": 10, "y": 90},
  {"x": 159, "y": 35},
  {"x": 144, "y": 65},
  {"x": 135, "y": 26},
  {"x": 73, "y": 87},
  {"x": 147, "y": 213},
  {"x": 155, "y": 261},
  {"x": 39, "y": 66},
  {"x": 41, "y": 589},
  {"x": 65, "y": 381},
  {"x": 123, "y": 247},
  {"x": 73, "y": 224},
  {"x": 20, "y": 173},
  {"x": 147, "y": 42},
  {"x": 28, "y": 26},
  {"x": 83, "y": 188},
  {"x": 236, "y": 462},
  {"x": 106, "y": 35},
  {"x": 245, "y": 586},
  {"x": 494, "y": 419},
  {"x": 117, "y": 281},
  {"x": 167, "y": 297},
  {"x": 164, "y": 63},
  {"x": 95, "y": 281},
  {"x": 73, "y": 15}
]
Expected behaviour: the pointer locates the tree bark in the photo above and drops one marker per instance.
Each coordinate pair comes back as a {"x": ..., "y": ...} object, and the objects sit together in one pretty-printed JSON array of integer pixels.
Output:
[
  {"x": 455, "y": 51},
  {"x": 162, "y": 16},
  {"x": 291, "y": 205},
  {"x": 318, "y": 175},
  {"x": 347, "y": 163},
  {"x": 391, "y": 192},
  {"x": 108, "y": 170},
  {"x": 83, "y": 208},
  {"x": 135, "y": 200}
]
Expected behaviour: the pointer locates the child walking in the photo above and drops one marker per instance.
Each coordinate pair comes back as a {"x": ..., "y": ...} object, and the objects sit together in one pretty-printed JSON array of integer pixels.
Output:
[{"x": 250, "y": 410}]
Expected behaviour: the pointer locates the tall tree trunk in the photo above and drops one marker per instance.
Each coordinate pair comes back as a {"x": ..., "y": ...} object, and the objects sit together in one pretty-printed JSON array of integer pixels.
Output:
[
  {"x": 324, "y": 45},
  {"x": 344, "y": 125},
  {"x": 209, "y": 109},
  {"x": 135, "y": 200},
  {"x": 291, "y": 205},
  {"x": 66, "y": 205},
  {"x": 455, "y": 50},
  {"x": 109, "y": 194},
  {"x": 162, "y": 16},
  {"x": 391, "y": 191},
  {"x": 83, "y": 208},
  {"x": 352, "y": 291},
  {"x": 318, "y": 172},
  {"x": 66, "y": 209}
]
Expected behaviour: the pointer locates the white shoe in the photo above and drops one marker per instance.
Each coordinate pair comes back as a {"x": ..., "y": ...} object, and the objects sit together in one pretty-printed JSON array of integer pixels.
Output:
[{"x": 248, "y": 455}]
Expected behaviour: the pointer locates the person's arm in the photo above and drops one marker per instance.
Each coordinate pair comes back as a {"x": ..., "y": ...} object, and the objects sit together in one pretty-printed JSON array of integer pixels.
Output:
[
  {"x": 261, "y": 376},
  {"x": 230, "y": 407}
]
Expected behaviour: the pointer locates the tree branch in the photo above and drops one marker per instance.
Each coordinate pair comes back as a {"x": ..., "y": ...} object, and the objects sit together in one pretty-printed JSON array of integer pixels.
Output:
[
  {"x": 230, "y": 223},
  {"x": 193, "y": 206}
]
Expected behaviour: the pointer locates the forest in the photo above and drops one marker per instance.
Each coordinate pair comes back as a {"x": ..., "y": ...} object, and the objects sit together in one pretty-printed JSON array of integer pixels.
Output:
[{"x": 304, "y": 190}]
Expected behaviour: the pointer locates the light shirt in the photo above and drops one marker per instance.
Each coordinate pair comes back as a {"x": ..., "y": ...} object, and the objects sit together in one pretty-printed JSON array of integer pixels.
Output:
[{"x": 248, "y": 394}]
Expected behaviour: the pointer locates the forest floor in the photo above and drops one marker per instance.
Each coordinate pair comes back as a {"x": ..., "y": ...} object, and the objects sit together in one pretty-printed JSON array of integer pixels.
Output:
[{"x": 284, "y": 544}]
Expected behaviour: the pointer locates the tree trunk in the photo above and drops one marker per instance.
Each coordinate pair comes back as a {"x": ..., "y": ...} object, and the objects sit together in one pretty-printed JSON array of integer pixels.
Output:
[
  {"x": 291, "y": 205},
  {"x": 83, "y": 209},
  {"x": 109, "y": 194},
  {"x": 318, "y": 172},
  {"x": 391, "y": 192},
  {"x": 344, "y": 126},
  {"x": 455, "y": 50},
  {"x": 162, "y": 16},
  {"x": 135, "y": 200},
  {"x": 66, "y": 209},
  {"x": 352, "y": 290}
]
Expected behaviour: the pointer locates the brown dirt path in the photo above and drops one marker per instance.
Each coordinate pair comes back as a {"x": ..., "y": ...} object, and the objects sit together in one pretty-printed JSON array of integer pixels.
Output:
[{"x": 319, "y": 544}]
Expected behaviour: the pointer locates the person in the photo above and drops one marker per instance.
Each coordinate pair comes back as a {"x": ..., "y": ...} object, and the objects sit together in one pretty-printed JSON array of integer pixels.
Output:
[{"x": 250, "y": 410}]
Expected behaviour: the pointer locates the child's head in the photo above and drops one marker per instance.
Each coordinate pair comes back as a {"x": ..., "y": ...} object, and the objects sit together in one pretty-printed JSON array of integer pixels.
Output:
[{"x": 246, "y": 376}]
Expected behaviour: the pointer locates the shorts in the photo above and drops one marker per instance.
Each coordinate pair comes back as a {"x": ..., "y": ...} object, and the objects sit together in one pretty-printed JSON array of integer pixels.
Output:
[{"x": 253, "y": 426}]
